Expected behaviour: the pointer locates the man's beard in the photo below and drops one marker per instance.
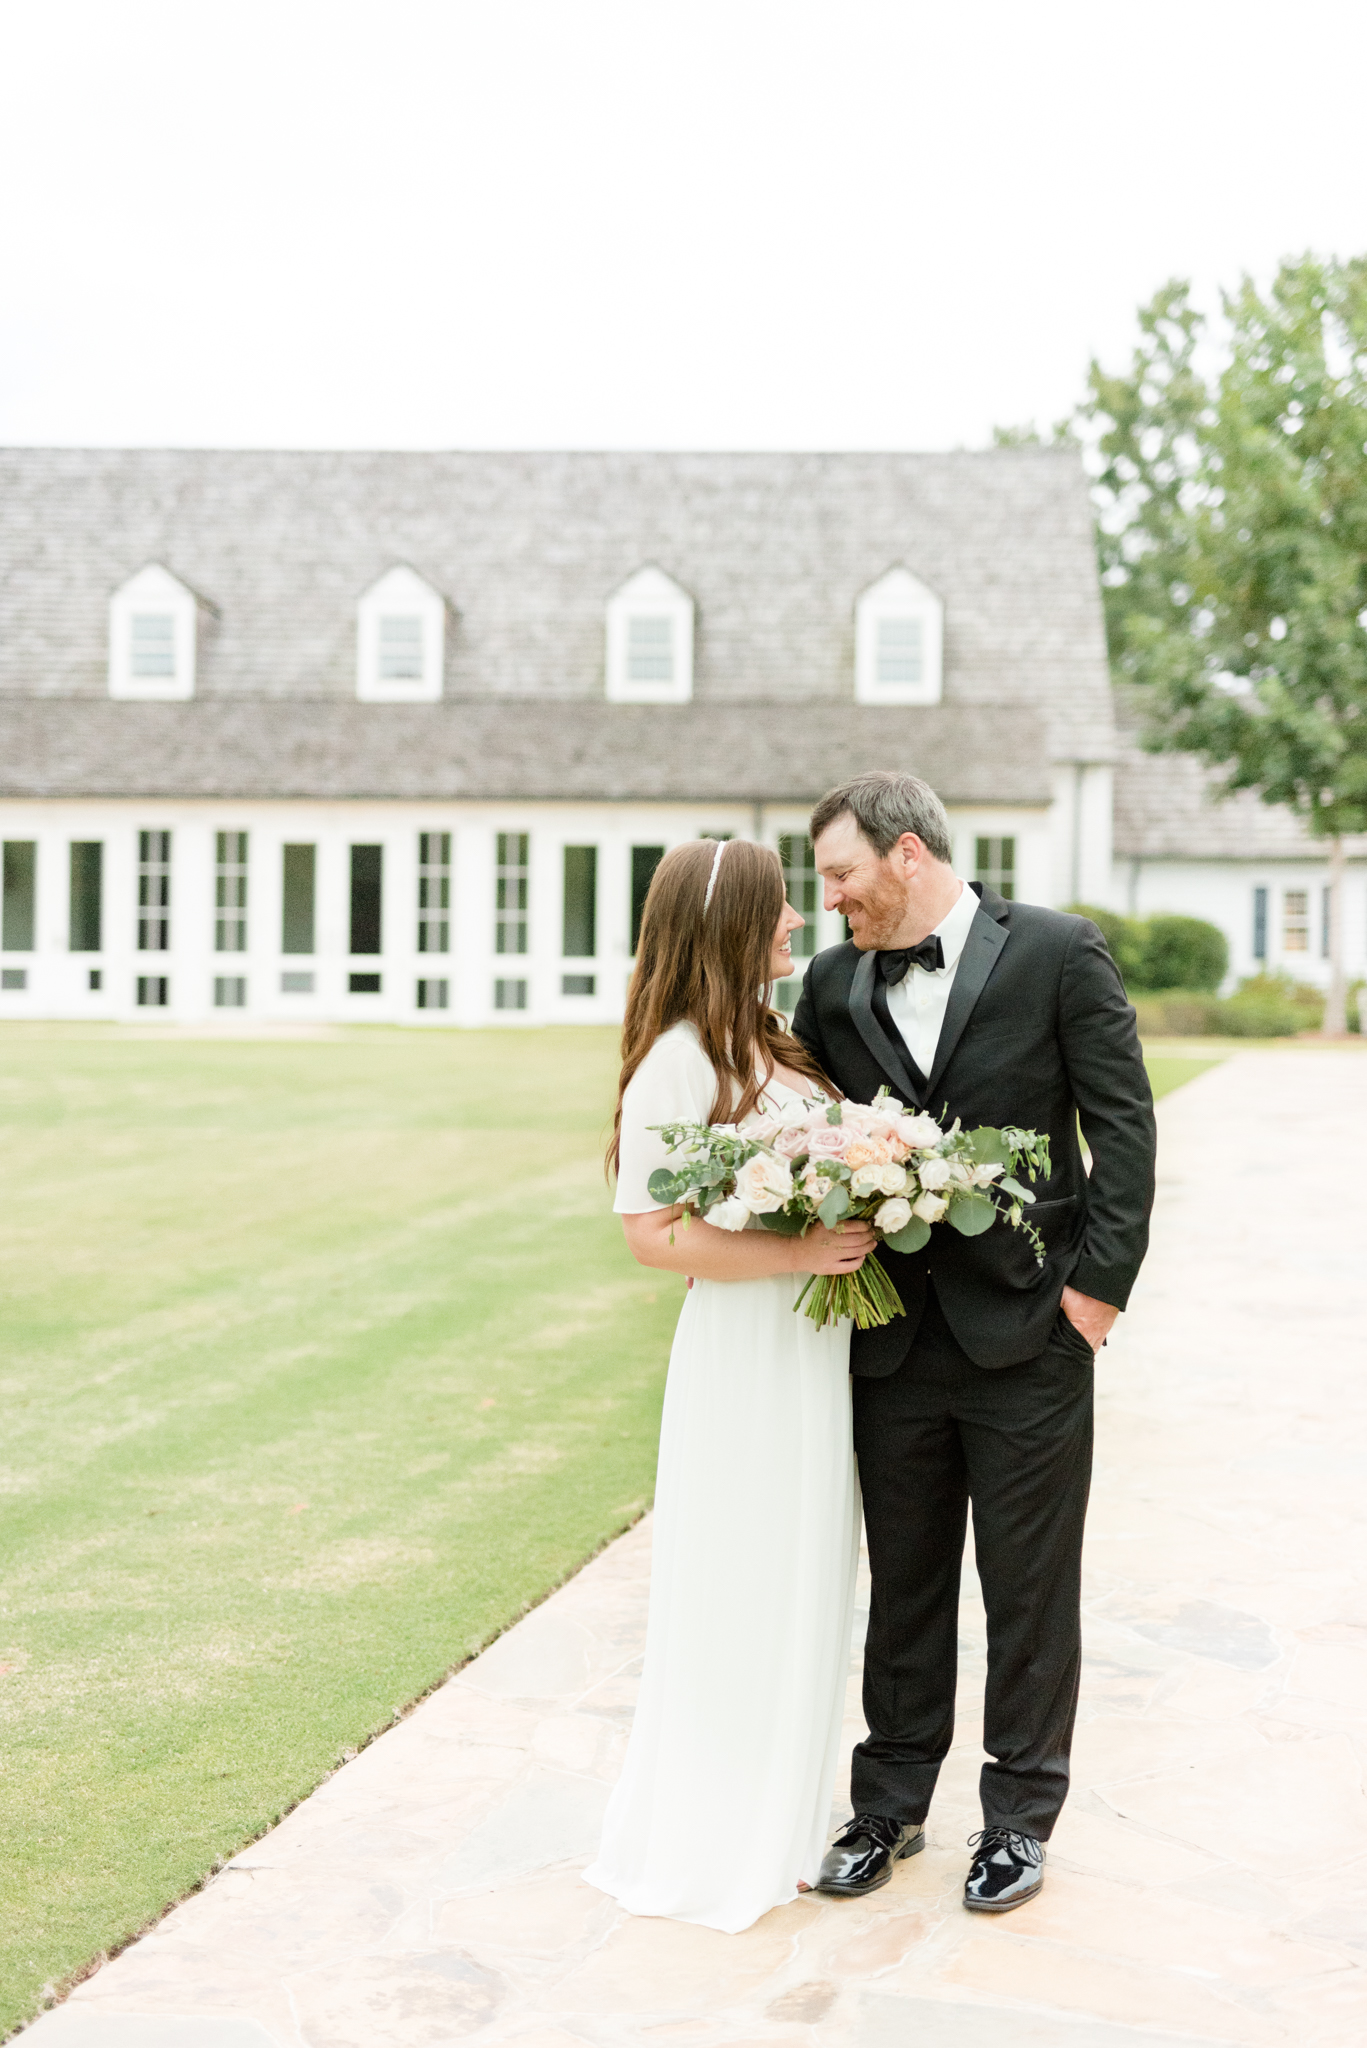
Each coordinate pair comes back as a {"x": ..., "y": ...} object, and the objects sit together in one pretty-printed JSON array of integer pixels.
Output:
[{"x": 884, "y": 908}]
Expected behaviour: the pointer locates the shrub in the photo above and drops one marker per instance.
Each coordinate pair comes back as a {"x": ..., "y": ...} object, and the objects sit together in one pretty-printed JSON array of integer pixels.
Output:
[
  {"x": 1163, "y": 952},
  {"x": 1265, "y": 1006},
  {"x": 1183, "y": 952},
  {"x": 1271, "y": 1006},
  {"x": 1180, "y": 1013}
]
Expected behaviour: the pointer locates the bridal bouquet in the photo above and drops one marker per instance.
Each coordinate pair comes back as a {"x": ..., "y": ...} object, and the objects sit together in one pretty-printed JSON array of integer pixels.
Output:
[{"x": 869, "y": 1162}]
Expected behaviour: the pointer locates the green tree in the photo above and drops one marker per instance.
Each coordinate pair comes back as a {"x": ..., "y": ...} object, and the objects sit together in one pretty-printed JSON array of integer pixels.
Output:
[{"x": 1233, "y": 544}]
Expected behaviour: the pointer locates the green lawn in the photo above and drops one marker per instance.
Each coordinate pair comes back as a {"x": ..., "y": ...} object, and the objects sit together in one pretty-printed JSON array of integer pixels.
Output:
[
  {"x": 1169, "y": 1070},
  {"x": 322, "y": 1360}
]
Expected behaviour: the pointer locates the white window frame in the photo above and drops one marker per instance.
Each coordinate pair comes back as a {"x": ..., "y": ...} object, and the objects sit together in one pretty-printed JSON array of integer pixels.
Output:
[
  {"x": 512, "y": 918},
  {"x": 649, "y": 594},
  {"x": 898, "y": 595},
  {"x": 402, "y": 593},
  {"x": 434, "y": 905},
  {"x": 153, "y": 589},
  {"x": 232, "y": 852}
]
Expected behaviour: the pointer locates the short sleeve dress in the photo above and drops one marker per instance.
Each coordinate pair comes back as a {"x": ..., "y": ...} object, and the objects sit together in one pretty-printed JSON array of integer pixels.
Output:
[{"x": 724, "y": 1799}]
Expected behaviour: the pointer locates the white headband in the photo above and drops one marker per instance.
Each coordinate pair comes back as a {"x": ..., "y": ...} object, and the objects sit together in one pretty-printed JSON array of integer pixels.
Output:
[{"x": 722, "y": 845}]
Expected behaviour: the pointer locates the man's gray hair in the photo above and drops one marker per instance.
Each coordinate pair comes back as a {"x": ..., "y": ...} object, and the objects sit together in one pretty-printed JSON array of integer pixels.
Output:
[{"x": 884, "y": 805}]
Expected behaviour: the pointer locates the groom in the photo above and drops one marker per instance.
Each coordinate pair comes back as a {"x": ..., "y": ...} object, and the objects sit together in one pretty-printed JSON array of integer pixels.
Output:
[{"x": 982, "y": 1393}]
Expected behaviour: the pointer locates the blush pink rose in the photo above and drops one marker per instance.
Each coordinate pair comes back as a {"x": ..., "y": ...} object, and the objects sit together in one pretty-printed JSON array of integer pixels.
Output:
[
  {"x": 829, "y": 1141},
  {"x": 793, "y": 1142}
]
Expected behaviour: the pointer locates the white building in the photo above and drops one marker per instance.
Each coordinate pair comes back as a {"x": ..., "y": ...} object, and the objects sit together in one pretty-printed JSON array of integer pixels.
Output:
[
  {"x": 400, "y": 737},
  {"x": 1249, "y": 867}
]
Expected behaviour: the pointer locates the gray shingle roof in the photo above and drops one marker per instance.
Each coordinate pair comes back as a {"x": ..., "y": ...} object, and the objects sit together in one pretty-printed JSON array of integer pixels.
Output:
[
  {"x": 528, "y": 547},
  {"x": 474, "y": 748},
  {"x": 1167, "y": 807}
]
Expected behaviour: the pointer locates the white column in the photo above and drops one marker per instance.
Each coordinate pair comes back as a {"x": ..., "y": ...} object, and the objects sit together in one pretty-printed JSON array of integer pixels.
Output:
[
  {"x": 614, "y": 919},
  {"x": 192, "y": 962},
  {"x": 472, "y": 935},
  {"x": 332, "y": 914}
]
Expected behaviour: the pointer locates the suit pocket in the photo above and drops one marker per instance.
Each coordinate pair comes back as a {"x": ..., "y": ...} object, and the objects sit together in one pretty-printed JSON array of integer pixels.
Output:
[
  {"x": 1004, "y": 1257},
  {"x": 1067, "y": 1333}
]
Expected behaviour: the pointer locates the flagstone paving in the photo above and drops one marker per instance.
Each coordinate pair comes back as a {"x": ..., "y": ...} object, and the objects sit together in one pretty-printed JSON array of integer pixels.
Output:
[{"x": 1208, "y": 1880}]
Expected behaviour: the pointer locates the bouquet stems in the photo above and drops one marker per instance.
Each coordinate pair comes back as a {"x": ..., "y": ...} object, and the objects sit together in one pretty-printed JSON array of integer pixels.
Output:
[{"x": 868, "y": 1297}]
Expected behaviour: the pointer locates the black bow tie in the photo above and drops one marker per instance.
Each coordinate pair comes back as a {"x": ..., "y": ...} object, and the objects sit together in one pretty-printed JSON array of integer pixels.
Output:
[{"x": 929, "y": 955}]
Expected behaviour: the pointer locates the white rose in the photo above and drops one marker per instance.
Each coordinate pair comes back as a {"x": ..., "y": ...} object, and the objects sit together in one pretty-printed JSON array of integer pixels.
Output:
[
  {"x": 892, "y": 1180},
  {"x": 983, "y": 1176},
  {"x": 893, "y": 1216},
  {"x": 921, "y": 1132},
  {"x": 961, "y": 1173},
  {"x": 933, "y": 1173},
  {"x": 764, "y": 1184},
  {"x": 728, "y": 1215},
  {"x": 791, "y": 1116},
  {"x": 930, "y": 1208},
  {"x": 866, "y": 1180}
]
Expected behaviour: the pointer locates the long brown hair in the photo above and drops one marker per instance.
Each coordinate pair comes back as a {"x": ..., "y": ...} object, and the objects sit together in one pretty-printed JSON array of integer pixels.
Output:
[{"x": 713, "y": 969}]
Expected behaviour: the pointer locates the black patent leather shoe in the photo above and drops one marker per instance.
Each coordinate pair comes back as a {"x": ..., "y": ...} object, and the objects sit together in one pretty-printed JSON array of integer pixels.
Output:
[
  {"x": 1007, "y": 1869},
  {"x": 861, "y": 1857}
]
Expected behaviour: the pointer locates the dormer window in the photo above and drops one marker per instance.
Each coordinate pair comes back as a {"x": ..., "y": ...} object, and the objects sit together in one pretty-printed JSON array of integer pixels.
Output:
[
  {"x": 400, "y": 640},
  {"x": 898, "y": 660},
  {"x": 650, "y": 649},
  {"x": 152, "y": 644},
  {"x": 153, "y": 636},
  {"x": 401, "y": 651},
  {"x": 899, "y": 634},
  {"x": 650, "y": 641}
]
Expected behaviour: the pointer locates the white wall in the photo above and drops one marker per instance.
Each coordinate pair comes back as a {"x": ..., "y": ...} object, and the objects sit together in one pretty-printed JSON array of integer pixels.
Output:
[
  {"x": 58, "y": 980},
  {"x": 1222, "y": 892},
  {"x": 1082, "y": 812}
]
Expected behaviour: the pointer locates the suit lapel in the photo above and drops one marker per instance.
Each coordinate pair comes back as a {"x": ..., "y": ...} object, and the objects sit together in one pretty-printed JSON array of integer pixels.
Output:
[
  {"x": 982, "y": 950},
  {"x": 889, "y": 1054}
]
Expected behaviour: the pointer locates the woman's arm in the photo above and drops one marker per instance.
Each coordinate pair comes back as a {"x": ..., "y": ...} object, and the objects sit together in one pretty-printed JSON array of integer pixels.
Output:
[{"x": 711, "y": 1254}]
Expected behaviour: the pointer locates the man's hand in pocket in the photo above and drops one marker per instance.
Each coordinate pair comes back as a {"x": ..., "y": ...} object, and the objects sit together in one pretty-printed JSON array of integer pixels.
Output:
[{"x": 1090, "y": 1317}]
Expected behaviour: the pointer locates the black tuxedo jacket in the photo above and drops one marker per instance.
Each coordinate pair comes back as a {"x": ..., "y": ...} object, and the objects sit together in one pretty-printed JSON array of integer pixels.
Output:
[{"x": 1037, "y": 1033}]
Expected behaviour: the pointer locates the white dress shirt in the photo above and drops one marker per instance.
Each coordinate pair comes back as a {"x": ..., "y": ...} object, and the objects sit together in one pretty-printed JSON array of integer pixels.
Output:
[{"x": 917, "y": 1003}]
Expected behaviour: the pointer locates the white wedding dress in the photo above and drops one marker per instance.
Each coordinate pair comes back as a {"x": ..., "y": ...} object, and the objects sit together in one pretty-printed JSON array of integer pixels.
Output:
[{"x": 724, "y": 1799}]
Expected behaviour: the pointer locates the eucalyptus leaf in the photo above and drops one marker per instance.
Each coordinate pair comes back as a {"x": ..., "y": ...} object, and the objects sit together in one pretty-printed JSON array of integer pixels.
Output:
[
  {"x": 785, "y": 1225},
  {"x": 835, "y": 1114},
  {"x": 989, "y": 1147},
  {"x": 971, "y": 1215},
  {"x": 661, "y": 1185},
  {"x": 911, "y": 1239},
  {"x": 834, "y": 1207},
  {"x": 1013, "y": 1187}
]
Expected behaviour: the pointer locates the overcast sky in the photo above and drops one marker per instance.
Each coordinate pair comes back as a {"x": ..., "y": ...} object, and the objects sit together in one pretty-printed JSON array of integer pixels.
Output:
[{"x": 635, "y": 223}]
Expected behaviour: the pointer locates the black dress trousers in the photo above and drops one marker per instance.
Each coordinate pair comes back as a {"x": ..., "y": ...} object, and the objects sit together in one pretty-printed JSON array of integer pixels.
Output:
[{"x": 1017, "y": 1442}]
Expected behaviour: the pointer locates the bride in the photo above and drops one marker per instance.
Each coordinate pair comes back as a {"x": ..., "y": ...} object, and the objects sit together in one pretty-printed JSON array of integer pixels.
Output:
[{"x": 722, "y": 1807}]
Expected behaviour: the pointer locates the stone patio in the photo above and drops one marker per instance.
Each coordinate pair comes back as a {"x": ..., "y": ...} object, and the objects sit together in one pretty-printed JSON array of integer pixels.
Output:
[{"x": 1208, "y": 1881}]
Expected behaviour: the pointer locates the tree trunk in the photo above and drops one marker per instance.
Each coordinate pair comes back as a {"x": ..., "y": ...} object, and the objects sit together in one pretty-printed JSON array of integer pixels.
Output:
[{"x": 1336, "y": 1009}]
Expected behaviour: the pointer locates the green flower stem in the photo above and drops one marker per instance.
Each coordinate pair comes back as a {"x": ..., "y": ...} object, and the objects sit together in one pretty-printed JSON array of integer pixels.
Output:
[{"x": 867, "y": 1297}]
